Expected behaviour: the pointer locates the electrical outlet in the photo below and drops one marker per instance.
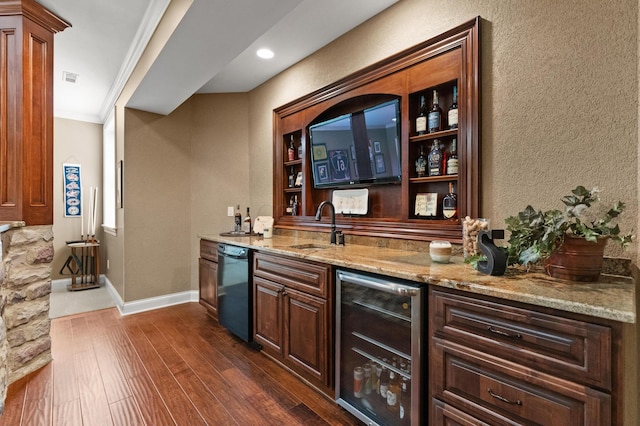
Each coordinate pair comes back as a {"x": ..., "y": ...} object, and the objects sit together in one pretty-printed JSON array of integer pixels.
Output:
[{"x": 230, "y": 211}]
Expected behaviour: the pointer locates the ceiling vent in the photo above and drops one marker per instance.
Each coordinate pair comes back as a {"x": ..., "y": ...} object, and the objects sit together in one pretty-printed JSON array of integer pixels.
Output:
[{"x": 69, "y": 77}]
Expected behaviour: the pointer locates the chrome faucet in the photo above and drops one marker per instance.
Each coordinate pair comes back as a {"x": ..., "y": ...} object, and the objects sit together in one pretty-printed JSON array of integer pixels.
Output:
[{"x": 335, "y": 235}]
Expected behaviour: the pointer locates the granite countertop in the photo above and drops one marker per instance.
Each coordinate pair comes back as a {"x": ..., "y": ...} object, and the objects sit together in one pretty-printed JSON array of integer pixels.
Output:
[
  {"x": 613, "y": 297},
  {"x": 6, "y": 225}
]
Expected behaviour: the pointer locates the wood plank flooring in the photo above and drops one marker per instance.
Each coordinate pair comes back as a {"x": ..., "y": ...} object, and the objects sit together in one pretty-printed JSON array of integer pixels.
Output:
[{"x": 171, "y": 366}]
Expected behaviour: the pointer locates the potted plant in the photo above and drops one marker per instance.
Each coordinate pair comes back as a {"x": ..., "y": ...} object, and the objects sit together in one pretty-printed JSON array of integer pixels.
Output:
[{"x": 570, "y": 243}]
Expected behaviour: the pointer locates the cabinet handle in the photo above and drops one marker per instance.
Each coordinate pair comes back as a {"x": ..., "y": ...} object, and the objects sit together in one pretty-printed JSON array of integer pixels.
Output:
[
  {"x": 503, "y": 399},
  {"x": 502, "y": 333}
]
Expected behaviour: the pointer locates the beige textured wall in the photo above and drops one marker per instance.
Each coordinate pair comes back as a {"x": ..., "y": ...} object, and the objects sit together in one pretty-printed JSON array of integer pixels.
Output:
[
  {"x": 156, "y": 191},
  {"x": 219, "y": 167},
  {"x": 74, "y": 142},
  {"x": 559, "y": 90}
]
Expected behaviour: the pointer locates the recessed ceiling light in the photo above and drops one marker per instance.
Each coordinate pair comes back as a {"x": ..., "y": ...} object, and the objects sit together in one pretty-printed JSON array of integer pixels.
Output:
[{"x": 265, "y": 53}]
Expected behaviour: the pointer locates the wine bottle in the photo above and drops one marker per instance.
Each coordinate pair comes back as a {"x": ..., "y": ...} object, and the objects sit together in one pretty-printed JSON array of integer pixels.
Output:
[
  {"x": 238, "y": 220},
  {"x": 450, "y": 204},
  {"x": 393, "y": 393},
  {"x": 421, "y": 119},
  {"x": 435, "y": 115},
  {"x": 452, "y": 161},
  {"x": 246, "y": 224},
  {"x": 384, "y": 383},
  {"x": 421, "y": 163},
  {"x": 291, "y": 152},
  {"x": 292, "y": 178},
  {"x": 434, "y": 159},
  {"x": 289, "y": 209},
  {"x": 453, "y": 110},
  {"x": 296, "y": 206},
  {"x": 405, "y": 402}
]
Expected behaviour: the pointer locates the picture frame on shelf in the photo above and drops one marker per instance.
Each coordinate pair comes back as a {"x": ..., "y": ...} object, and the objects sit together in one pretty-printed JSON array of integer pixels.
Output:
[
  {"x": 426, "y": 205},
  {"x": 298, "y": 182}
]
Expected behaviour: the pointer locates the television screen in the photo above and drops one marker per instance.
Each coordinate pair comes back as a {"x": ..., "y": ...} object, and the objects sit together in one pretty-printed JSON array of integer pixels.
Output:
[{"x": 358, "y": 148}]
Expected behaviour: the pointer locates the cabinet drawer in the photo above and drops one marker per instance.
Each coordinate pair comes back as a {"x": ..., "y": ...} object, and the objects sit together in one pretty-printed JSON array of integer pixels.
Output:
[
  {"x": 446, "y": 415},
  {"x": 312, "y": 278},
  {"x": 209, "y": 250},
  {"x": 482, "y": 384},
  {"x": 564, "y": 347}
]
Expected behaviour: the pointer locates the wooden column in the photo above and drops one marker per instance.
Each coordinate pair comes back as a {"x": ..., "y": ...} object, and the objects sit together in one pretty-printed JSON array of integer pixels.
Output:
[{"x": 26, "y": 111}]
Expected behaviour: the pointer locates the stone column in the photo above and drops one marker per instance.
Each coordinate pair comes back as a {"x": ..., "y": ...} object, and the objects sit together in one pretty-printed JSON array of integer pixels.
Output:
[{"x": 27, "y": 258}]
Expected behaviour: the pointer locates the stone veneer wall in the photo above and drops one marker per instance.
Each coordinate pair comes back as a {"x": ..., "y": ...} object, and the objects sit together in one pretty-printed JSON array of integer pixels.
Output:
[{"x": 25, "y": 285}]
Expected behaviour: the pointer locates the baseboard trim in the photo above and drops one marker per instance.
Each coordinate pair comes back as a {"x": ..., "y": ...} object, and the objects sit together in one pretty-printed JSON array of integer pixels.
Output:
[
  {"x": 143, "y": 305},
  {"x": 137, "y": 306}
]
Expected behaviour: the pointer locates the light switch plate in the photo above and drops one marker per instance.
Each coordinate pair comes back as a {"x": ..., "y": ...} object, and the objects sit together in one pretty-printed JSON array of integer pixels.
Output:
[{"x": 230, "y": 212}]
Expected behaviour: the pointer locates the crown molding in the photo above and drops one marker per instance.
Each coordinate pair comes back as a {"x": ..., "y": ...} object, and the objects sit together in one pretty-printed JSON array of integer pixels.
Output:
[{"x": 150, "y": 20}]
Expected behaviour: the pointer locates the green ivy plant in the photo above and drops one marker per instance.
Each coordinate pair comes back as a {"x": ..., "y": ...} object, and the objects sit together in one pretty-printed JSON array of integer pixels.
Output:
[{"x": 536, "y": 234}]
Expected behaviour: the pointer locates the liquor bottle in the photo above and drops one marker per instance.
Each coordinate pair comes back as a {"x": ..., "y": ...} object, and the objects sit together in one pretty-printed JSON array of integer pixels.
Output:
[
  {"x": 393, "y": 393},
  {"x": 434, "y": 159},
  {"x": 292, "y": 178},
  {"x": 296, "y": 206},
  {"x": 421, "y": 163},
  {"x": 291, "y": 152},
  {"x": 300, "y": 151},
  {"x": 452, "y": 161},
  {"x": 450, "y": 204},
  {"x": 238, "y": 220},
  {"x": 435, "y": 115},
  {"x": 246, "y": 224},
  {"x": 445, "y": 157},
  {"x": 453, "y": 110},
  {"x": 421, "y": 119},
  {"x": 290, "y": 206}
]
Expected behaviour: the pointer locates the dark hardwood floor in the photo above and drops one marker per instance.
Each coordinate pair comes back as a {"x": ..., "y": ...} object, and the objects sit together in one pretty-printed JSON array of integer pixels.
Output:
[{"x": 162, "y": 367}]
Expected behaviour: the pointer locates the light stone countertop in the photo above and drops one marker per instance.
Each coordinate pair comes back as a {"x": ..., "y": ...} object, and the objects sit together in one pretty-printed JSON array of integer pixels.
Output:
[
  {"x": 6, "y": 225},
  {"x": 613, "y": 297}
]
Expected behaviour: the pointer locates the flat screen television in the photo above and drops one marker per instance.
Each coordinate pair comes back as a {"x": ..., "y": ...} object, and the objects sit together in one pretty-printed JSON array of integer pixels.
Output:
[{"x": 357, "y": 149}]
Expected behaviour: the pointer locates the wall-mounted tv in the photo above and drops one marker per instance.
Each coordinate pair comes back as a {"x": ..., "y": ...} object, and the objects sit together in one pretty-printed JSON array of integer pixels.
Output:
[{"x": 359, "y": 148}]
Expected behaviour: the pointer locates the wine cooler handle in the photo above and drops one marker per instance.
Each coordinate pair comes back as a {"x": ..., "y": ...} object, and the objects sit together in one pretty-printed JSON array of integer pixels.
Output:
[{"x": 377, "y": 284}]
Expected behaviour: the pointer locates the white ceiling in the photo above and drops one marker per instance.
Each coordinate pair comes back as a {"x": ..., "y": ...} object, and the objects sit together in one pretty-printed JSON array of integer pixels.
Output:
[{"x": 211, "y": 51}]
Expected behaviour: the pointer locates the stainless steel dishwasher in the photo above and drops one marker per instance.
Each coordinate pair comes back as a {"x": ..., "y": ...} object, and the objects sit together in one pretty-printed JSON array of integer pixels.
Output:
[{"x": 234, "y": 290}]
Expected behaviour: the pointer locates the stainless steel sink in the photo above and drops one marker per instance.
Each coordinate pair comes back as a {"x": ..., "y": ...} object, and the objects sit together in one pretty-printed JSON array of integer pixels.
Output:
[{"x": 310, "y": 247}]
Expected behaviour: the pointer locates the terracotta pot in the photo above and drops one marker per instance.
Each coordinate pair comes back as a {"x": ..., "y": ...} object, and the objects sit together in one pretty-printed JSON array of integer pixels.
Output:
[{"x": 577, "y": 260}]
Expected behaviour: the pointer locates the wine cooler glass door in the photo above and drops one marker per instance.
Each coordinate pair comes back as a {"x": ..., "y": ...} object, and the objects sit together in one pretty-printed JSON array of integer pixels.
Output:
[{"x": 378, "y": 359}]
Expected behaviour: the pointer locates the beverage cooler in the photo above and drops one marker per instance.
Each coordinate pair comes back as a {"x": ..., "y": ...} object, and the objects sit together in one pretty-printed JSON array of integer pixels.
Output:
[{"x": 379, "y": 348}]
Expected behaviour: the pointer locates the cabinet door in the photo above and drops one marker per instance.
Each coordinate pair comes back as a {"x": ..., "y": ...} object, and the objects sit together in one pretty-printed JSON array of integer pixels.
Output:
[
  {"x": 208, "y": 280},
  {"x": 306, "y": 334},
  {"x": 267, "y": 315}
]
